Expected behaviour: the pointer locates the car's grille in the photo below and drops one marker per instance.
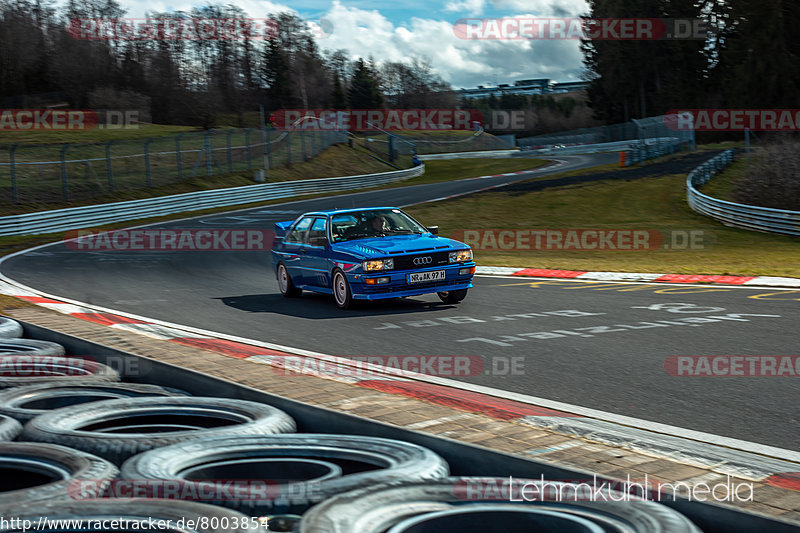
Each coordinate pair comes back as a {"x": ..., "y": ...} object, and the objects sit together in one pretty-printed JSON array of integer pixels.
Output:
[{"x": 424, "y": 260}]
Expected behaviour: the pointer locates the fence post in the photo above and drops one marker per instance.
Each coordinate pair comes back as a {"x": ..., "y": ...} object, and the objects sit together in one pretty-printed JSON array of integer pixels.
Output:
[
  {"x": 303, "y": 145},
  {"x": 288, "y": 147},
  {"x": 64, "y": 187},
  {"x": 747, "y": 143},
  {"x": 147, "y": 161},
  {"x": 247, "y": 143},
  {"x": 178, "y": 155},
  {"x": 268, "y": 149},
  {"x": 209, "y": 153},
  {"x": 391, "y": 148},
  {"x": 109, "y": 169},
  {"x": 13, "y": 172},
  {"x": 230, "y": 150}
]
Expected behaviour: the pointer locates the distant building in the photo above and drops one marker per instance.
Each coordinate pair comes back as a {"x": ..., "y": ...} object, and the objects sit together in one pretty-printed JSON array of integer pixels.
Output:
[{"x": 524, "y": 87}]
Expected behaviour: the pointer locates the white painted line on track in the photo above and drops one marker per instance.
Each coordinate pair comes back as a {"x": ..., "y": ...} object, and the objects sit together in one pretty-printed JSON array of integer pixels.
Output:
[{"x": 636, "y": 423}]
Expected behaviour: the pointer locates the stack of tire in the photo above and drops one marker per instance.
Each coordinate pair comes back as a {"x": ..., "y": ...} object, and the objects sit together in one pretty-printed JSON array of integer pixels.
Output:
[{"x": 77, "y": 442}]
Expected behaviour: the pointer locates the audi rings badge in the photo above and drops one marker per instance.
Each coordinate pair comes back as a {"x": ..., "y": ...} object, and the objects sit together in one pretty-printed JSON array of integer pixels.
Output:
[{"x": 426, "y": 260}]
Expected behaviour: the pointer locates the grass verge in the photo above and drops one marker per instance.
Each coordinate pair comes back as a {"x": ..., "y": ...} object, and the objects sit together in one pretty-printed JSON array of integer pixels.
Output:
[
  {"x": 99, "y": 134},
  {"x": 651, "y": 204},
  {"x": 723, "y": 185},
  {"x": 435, "y": 172}
]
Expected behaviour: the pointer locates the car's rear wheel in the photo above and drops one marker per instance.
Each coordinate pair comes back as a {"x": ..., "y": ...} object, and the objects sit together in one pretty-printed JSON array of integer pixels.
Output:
[
  {"x": 285, "y": 283},
  {"x": 341, "y": 290},
  {"x": 452, "y": 297}
]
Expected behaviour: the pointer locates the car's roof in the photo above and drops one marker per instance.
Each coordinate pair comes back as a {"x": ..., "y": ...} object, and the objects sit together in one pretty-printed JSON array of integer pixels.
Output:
[{"x": 353, "y": 210}]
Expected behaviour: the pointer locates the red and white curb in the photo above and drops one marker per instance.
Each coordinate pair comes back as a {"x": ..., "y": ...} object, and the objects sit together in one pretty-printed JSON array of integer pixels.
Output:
[
  {"x": 725, "y": 456},
  {"x": 761, "y": 281}
]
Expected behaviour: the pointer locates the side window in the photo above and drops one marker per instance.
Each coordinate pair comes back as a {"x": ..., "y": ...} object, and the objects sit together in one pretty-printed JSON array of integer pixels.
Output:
[
  {"x": 298, "y": 232},
  {"x": 317, "y": 235}
]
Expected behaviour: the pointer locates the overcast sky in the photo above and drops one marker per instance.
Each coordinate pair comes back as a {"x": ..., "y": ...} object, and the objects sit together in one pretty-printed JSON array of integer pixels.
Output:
[{"x": 399, "y": 29}]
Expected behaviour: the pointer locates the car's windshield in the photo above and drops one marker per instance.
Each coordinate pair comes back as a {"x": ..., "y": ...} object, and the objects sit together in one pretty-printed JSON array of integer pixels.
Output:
[{"x": 373, "y": 223}]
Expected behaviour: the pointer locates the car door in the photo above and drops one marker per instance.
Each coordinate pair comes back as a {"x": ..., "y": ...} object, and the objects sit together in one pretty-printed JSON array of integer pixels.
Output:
[
  {"x": 316, "y": 264},
  {"x": 294, "y": 245}
]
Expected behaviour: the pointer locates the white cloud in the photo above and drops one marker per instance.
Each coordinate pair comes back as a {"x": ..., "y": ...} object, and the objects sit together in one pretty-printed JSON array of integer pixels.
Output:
[
  {"x": 463, "y": 63},
  {"x": 546, "y": 8},
  {"x": 472, "y": 7}
]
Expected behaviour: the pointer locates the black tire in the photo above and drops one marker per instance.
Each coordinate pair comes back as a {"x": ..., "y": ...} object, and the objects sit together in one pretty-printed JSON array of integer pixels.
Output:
[
  {"x": 173, "y": 514},
  {"x": 285, "y": 283},
  {"x": 118, "y": 429},
  {"x": 18, "y": 370},
  {"x": 25, "y": 403},
  {"x": 9, "y": 428},
  {"x": 29, "y": 347},
  {"x": 321, "y": 466},
  {"x": 452, "y": 297},
  {"x": 34, "y": 472},
  {"x": 377, "y": 509},
  {"x": 9, "y": 329},
  {"x": 342, "y": 294}
]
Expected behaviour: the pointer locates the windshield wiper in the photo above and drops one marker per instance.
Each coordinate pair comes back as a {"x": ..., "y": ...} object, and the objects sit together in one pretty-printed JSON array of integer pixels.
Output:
[
  {"x": 356, "y": 236},
  {"x": 406, "y": 231}
]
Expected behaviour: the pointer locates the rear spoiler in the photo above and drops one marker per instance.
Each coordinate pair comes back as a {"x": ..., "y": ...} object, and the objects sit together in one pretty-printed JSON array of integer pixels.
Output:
[{"x": 281, "y": 227}]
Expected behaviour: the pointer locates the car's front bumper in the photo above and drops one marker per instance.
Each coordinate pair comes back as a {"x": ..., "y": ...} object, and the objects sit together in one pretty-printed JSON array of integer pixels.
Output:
[{"x": 398, "y": 286}]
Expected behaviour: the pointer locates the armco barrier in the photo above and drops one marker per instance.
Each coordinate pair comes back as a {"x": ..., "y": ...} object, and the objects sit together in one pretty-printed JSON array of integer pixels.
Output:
[
  {"x": 733, "y": 214},
  {"x": 94, "y": 215}
]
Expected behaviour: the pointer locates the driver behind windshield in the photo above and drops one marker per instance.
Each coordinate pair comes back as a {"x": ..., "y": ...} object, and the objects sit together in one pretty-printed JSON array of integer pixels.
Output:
[{"x": 378, "y": 224}]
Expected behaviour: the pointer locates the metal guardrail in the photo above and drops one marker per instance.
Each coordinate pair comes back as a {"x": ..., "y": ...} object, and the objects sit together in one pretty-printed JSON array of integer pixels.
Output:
[
  {"x": 93, "y": 215},
  {"x": 469, "y": 155},
  {"x": 637, "y": 150},
  {"x": 732, "y": 214}
]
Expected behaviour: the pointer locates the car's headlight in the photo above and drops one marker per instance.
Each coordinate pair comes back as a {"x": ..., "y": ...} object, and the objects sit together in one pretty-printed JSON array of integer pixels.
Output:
[
  {"x": 461, "y": 256},
  {"x": 378, "y": 264}
]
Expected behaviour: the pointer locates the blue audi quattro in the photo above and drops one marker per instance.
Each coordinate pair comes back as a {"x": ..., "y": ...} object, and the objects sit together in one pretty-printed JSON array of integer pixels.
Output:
[{"x": 369, "y": 254}]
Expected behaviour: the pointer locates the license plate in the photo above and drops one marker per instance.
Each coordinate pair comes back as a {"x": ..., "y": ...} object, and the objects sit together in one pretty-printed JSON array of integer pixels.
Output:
[{"x": 422, "y": 277}]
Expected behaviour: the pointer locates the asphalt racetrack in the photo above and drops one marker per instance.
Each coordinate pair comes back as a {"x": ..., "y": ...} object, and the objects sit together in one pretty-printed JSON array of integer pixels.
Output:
[{"x": 593, "y": 344}]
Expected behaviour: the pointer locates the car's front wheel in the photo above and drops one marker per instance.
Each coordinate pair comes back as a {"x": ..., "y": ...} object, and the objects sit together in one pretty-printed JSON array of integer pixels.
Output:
[
  {"x": 452, "y": 297},
  {"x": 341, "y": 291},
  {"x": 285, "y": 283}
]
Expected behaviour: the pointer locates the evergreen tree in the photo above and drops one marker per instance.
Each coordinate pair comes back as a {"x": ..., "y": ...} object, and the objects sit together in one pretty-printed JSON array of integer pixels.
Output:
[
  {"x": 364, "y": 92},
  {"x": 338, "y": 98}
]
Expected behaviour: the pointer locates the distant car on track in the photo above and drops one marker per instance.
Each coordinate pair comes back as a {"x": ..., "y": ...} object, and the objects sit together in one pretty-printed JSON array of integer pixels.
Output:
[{"x": 369, "y": 254}]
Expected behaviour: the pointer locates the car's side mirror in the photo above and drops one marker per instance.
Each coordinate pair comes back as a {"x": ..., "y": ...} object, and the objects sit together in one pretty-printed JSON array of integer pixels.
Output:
[{"x": 434, "y": 229}]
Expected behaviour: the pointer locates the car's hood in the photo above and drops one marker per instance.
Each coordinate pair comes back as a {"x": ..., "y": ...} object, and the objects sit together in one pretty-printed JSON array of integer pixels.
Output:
[{"x": 398, "y": 244}]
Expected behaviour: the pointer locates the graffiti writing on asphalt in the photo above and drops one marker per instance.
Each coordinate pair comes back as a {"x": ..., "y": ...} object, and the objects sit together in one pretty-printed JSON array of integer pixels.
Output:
[
  {"x": 449, "y": 321},
  {"x": 693, "y": 321}
]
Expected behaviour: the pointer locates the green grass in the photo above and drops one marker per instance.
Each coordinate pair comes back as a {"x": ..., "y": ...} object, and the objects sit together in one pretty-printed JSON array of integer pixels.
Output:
[
  {"x": 724, "y": 185},
  {"x": 337, "y": 160},
  {"x": 445, "y": 170},
  {"x": 99, "y": 134},
  {"x": 652, "y": 204}
]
